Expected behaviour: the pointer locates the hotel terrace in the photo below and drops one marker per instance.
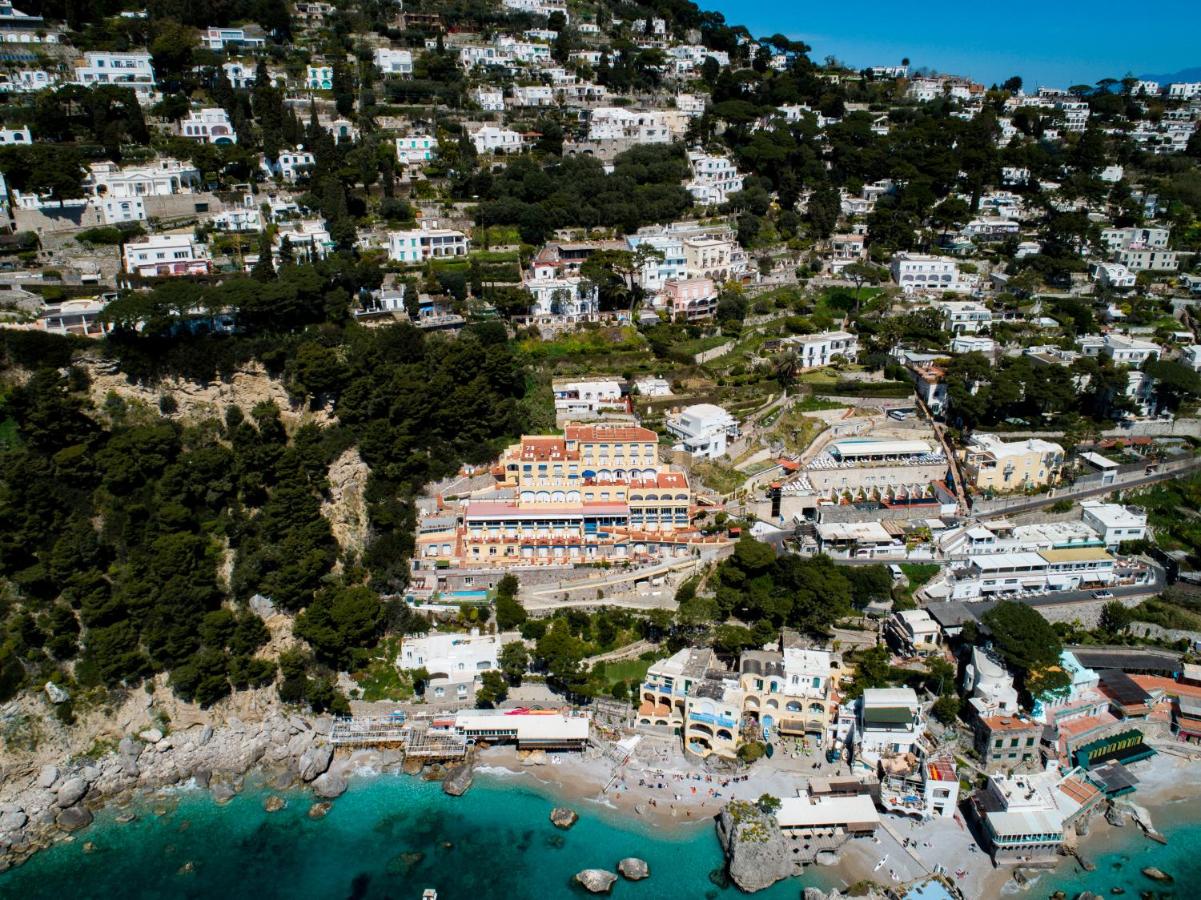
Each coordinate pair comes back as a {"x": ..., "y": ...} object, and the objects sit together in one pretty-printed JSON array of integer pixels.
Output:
[{"x": 598, "y": 492}]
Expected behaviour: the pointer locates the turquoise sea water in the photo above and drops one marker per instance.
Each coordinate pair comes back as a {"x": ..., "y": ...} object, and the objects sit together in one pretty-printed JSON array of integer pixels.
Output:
[
  {"x": 1123, "y": 854},
  {"x": 388, "y": 836}
]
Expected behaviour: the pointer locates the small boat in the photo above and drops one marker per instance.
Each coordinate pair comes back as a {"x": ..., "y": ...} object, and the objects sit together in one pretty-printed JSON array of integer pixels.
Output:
[{"x": 429, "y": 894}]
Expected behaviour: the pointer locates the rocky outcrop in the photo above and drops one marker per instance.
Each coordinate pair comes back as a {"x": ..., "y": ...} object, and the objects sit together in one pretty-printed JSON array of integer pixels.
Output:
[
  {"x": 42, "y": 797},
  {"x": 873, "y": 893},
  {"x": 330, "y": 785},
  {"x": 757, "y": 856},
  {"x": 634, "y": 869},
  {"x": 458, "y": 780},
  {"x": 597, "y": 881},
  {"x": 71, "y": 792},
  {"x": 562, "y": 817},
  {"x": 346, "y": 509},
  {"x": 314, "y": 761},
  {"x": 1156, "y": 874},
  {"x": 56, "y": 694}
]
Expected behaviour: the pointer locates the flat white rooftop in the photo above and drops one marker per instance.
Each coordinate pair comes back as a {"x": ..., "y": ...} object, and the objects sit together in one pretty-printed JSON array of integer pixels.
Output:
[{"x": 824, "y": 811}]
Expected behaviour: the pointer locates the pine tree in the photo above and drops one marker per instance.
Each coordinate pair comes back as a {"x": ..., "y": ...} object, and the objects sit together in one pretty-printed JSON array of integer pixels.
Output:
[{"x": 264, "y": 269}]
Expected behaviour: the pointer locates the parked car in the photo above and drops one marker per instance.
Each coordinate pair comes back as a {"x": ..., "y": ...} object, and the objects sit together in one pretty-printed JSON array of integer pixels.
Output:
[{"x": 1102, "y": 595}]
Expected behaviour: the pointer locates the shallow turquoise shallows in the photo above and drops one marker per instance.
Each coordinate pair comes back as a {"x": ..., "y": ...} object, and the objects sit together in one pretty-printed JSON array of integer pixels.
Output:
[
  {"x": 388, "y": 836},
  {"x": 1125, "y": 853}
]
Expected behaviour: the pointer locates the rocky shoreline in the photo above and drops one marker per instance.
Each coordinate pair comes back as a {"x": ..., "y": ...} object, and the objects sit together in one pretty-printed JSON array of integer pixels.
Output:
[{"x": 39, "y": 806}]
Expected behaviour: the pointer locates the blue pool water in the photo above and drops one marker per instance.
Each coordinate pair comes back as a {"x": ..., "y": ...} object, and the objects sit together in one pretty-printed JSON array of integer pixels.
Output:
[{"x": 388, "y": 836}]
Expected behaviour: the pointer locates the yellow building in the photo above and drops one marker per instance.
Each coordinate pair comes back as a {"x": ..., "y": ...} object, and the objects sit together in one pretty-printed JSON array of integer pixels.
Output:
[
  {"x": 991, "y": 464},
  {"x": 597, "y": 492}
]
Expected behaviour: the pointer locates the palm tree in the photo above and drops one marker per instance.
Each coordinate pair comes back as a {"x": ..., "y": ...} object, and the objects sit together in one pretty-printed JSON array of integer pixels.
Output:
[{"x": 787, "y": 364}]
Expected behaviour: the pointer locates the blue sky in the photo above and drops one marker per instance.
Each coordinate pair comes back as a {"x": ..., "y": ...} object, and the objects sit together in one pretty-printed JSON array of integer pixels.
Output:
[{"x": 1050, "y": 43}]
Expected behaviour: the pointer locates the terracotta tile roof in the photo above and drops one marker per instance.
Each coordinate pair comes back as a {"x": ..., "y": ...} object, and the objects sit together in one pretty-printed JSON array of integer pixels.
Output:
[
  {"x": 610, "y": 433},
  {"x": 1150, "y": 683},
  {"x": 1009, "y": 723},
  {"x": 1080, "y": 791}
]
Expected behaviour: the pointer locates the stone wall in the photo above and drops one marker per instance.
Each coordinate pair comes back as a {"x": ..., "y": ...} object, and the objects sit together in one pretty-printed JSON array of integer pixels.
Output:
[{"x": 1086, "y": 612}]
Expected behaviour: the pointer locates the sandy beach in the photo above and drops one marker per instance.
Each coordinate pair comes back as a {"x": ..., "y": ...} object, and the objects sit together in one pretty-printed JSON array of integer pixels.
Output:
[{"x": 672, "y": 795}]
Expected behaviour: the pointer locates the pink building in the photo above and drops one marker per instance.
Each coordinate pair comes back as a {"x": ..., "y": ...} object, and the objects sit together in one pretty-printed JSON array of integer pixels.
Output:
[{"x": 690, "y": 298}]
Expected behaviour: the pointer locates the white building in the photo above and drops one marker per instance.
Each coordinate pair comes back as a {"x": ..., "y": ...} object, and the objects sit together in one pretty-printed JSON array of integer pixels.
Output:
[
  {"x": 454, "y": 661},
  {"x": 1024, "y": 816},
  {"x": 533, "y": 95},
  {"x": 208, "y": 126},
  {"x": 920, "y": 272},
  {"x": 668, "y": 265},
  {"x": 26, "y": 81},
  {"x": 817, "y": 350},
  {"x": 703, "y": 430},
  {"x": 714, "y": 178},
  {"x": 246, "y": 219},
  {"x": 1191, "y": 357},
  {"x": 218, "y": 39},
  {"x": 490, "y": 99},
  {"x": 1184, "y": 90},
  {"x": 426, "y": 242},
  {"x": 1069, "y": 569},
  {"x": 1129, "y": 351},
  {"x": 970, "y": 343},
  {"x": 988, "y": 685},
  {"x": 17, "y": 136},
  {"x": 490, "y": 140},
  {"x": 115, "y": 210},
  {"x": 1113, "y": 275},
  {"x": 554, "y": 295},
  {"x": 586, "y": 398},
  {"x": 1114, "y": 522},
  {"x": 308, "y": 239},
  {"x": 964, "y": 317},
  {"x": 131, "y": 70},
  {"x": 913, "y": 632},
  {"x": 394, "y": 62},
  {"x": 166, "y": 255},
  {"x": 160, "y": 178},
  {"x": 319, "y": 78},
  {"x": 538, "y": 7},
  {"x": 611, "y": 123},
  {"x": 415, "y": 149},
  {"x": 889, "y": 722},
  {"x": 291, "y": 166}
]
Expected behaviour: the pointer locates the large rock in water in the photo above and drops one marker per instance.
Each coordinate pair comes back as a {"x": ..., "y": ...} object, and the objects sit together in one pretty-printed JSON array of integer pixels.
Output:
[
  {"x": 457, "y": 780},
  {"x": 314, "y": 761},
  {"x": 74, "y": 818},
  {"x": 329, "y": 785},
  {"x": 634, "y": 869},
  {"x": 757, "y": 855},
  {"x": 562, "y": 817},
  {"x": 598, "y": 881},
  {"x": 1156, "y": 874}
]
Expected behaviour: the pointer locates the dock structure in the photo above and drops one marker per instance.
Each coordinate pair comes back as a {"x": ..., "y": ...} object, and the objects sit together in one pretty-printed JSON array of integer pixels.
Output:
[{"x": 423, "y": 738}]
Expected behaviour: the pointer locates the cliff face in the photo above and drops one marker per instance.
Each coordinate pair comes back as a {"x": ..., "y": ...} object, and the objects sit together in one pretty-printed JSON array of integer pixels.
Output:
[{"x": 757, "y": 855}]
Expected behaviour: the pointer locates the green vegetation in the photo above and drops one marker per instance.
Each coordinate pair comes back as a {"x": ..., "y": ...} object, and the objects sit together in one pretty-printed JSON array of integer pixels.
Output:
[
  {"x": 718, "y": 476},
  {"x": 765, "y": 591},
  {"x": 588, "y": 341},
  {"x": 380, "y": 679},
  {"x": 116, "y": 521},
  {"x": 1172, "y": 511},
  {"x": 1029, "y": 645},
  {"x": 919, "y": 573}
]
